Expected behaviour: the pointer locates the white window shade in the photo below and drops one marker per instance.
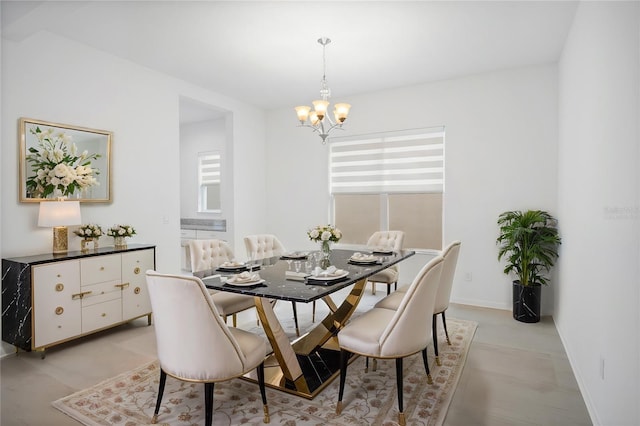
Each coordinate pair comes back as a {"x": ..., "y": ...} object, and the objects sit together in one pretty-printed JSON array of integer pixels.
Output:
[
  {"x": 398, "y": 162},
  {"x": 209, "y": 177},
  {"x": 208, "y": 169}
]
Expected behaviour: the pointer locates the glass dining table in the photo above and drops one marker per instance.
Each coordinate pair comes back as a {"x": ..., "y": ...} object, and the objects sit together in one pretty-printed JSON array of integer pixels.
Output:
[{"x": 308, "y": 364}]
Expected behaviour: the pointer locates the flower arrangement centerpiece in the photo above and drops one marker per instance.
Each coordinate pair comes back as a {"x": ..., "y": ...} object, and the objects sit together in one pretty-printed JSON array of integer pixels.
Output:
[
  {"x": 89, "y": 233},
  {"x": 58, "y": 170},
  {"x": 325, "y": 235},
  {"x": 119, "y": 233}
]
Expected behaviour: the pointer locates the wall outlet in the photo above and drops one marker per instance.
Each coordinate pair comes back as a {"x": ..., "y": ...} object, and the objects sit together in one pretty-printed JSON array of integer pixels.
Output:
[{"x": 468, "y": 276}]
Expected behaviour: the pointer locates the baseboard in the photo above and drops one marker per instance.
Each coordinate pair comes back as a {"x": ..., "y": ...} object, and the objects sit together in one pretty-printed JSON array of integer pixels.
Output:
[
  {"x": 482, "y": 303},
  {"x": 586, "y": 396}
]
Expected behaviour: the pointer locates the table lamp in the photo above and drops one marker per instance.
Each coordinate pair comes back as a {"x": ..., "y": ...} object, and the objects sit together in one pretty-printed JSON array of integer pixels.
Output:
[{"x": 59, "y": 214}]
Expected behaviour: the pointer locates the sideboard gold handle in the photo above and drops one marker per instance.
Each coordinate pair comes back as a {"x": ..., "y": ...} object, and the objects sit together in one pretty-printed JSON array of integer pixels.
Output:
[
  {"x": 59, "y": 310},
  {"x": 136, "y": 290},
  {"x": 102, "y": 268},
  {"x": 136, "y": 270},
  {"x": 122, "y": 286},
  {"x": 59, "y": 287},
  {"x": 104, "y": 315},
  {"x": 80, "y": 295}
]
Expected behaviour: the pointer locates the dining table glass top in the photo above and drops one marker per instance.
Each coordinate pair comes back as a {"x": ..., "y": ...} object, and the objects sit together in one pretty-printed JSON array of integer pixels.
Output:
[{"x": 279, "y": 279}]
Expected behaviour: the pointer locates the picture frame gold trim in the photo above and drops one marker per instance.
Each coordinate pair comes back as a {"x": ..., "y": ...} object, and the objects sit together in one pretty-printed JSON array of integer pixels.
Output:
[{"x": 92, "y": 140}]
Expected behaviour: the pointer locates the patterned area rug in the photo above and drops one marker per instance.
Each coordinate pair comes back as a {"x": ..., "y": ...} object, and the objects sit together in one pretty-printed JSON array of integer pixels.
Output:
[{"x": 370, "y": 398}]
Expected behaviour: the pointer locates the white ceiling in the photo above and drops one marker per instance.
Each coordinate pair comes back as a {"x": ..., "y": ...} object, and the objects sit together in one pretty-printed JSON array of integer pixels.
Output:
[{"x": 265, "y": 53}]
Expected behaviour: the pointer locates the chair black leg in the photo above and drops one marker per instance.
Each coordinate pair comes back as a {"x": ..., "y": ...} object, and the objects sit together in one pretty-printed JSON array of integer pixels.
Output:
[
  {"x": 295, "y": 317},
  {"x": 401, "y": 419},
  {"x": 344, "y": 361},
  {"x": 366, "y": 364},
  {"x": 444, "y": 323},
  {"x": 434, "y": 333},
  {"x": 208, "y": 404},
  {"x": 263, "y": 392},
  {"x": 388, "y": 289},
  {"x": 313, "y": 312},
  {"x": 425, "y": 360},
  {"x": 163, "y": 380}
]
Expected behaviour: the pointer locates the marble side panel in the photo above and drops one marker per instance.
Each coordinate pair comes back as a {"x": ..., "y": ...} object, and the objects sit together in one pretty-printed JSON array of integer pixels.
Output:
[{"x": 16, "y": 303}]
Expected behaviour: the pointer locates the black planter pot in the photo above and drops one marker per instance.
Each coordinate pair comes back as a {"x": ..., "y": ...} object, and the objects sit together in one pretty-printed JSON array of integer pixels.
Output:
[{"x": 526, "y": 302}]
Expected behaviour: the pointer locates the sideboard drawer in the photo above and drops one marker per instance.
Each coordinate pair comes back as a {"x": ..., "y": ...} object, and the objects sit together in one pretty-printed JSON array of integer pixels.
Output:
[
  {"x": 101, "y": 292},
  {"x": 101, "y": 315},
  {"x": 100, "y": 269}
]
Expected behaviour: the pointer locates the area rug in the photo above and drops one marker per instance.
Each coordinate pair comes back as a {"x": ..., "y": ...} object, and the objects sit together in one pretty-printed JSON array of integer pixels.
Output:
[{"x": 370, "y": 398}]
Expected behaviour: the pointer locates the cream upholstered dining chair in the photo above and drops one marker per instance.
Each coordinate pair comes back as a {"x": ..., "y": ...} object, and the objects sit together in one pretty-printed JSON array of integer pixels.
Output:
[
  {"x": 208, "y": 255},
  {"x": 392, "y": 240},
  {"x": 393, "y": 334},
  {"x": 262, "y": 246},
  {"x": 194, "y": 344},
  {"x": 450, "y": 256}
]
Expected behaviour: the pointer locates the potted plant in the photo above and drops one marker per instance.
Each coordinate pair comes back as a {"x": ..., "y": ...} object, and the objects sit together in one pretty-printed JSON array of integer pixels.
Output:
[{"x": 528, "y": 242}]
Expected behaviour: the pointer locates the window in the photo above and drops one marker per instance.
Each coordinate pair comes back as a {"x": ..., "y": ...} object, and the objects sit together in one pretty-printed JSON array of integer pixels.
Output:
[
  {"x": 391, "y": 180},
  {"x": 209, "y": 182}
]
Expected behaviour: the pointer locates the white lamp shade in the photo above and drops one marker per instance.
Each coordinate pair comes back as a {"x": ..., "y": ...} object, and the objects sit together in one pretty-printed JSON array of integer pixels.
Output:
[{"x": 59, "y": 213}]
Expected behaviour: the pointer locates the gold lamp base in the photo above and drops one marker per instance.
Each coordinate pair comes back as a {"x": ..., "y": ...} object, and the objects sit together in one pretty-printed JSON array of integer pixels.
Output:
[{"x": 60, "y": 239}]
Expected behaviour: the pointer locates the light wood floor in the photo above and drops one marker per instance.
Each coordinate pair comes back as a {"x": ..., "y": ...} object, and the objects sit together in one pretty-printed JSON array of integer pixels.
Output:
[{"x": 516, "y": 374}]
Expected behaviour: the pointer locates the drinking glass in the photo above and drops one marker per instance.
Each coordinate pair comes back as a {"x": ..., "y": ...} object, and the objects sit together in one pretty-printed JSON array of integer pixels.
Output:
[{"x": 250, "y": 257}]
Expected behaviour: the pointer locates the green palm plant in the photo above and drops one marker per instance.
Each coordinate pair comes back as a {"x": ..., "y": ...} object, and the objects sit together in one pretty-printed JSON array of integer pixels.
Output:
[{"x": 529, "y": 243}]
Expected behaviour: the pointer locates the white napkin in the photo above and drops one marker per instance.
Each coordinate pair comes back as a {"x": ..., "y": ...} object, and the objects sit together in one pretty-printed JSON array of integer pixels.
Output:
[
  {"x": 232, "y": 264},
  {"x": 362, "y": 257},
  {"x": 245, "y": 277},
  {"x": 295, "y": 254},
  {"x": 331, "y": 271},
  {"x": 383, "y": 249}
]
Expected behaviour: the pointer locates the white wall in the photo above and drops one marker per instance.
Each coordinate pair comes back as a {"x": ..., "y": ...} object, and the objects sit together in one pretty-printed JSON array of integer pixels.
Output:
[
  {"x": 50, "y": 78},
  {"x": 501, "y": 146},
  {"x": 597, "y": 301}
]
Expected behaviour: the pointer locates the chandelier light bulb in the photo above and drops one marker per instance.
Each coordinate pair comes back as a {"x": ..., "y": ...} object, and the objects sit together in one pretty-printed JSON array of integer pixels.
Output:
[
  {"x": 303, "y": 113},
  {"x": 320, "y": 108},
  {"x": 340, "y": 112},
  {"x": 314, "y": 118}
]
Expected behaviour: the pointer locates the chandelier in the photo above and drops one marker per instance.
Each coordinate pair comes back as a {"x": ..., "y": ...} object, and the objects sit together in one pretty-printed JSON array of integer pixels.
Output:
[{"x": 318, "y": 119}]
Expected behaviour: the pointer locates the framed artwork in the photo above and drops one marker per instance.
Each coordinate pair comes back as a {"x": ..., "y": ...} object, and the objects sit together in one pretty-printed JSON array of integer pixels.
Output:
[{"x": 61, "y": 160}]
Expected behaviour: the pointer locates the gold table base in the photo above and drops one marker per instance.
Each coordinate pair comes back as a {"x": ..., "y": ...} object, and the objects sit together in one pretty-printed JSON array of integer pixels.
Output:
[{"x": 283, "y": 368}]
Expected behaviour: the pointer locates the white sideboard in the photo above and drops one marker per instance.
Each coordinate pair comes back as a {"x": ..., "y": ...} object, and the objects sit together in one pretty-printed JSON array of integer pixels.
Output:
[{"x": 50, "y": 299}]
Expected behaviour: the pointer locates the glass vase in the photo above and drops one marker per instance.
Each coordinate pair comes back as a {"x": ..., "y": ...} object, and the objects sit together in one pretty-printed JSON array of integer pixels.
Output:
[
  {"x": 325, "y": 249},
  {"x": 84, "y": 244},
  {"x": 119, "y": 242}
]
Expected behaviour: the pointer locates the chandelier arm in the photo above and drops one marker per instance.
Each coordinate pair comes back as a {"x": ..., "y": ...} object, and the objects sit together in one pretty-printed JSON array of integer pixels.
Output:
[{"x": 337, "y": 125}]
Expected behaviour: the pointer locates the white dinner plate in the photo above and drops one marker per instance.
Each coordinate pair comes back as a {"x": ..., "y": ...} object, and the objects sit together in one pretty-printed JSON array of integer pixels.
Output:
[
  {"x": 244, "y": 284},
  {"x": 232, "y": 267},
  {"x": 365, "y": 260},
  {"x": 382, "y": 251},
  {"x": 328, "y": 277},
  {"x": 295, "y": 255}
]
